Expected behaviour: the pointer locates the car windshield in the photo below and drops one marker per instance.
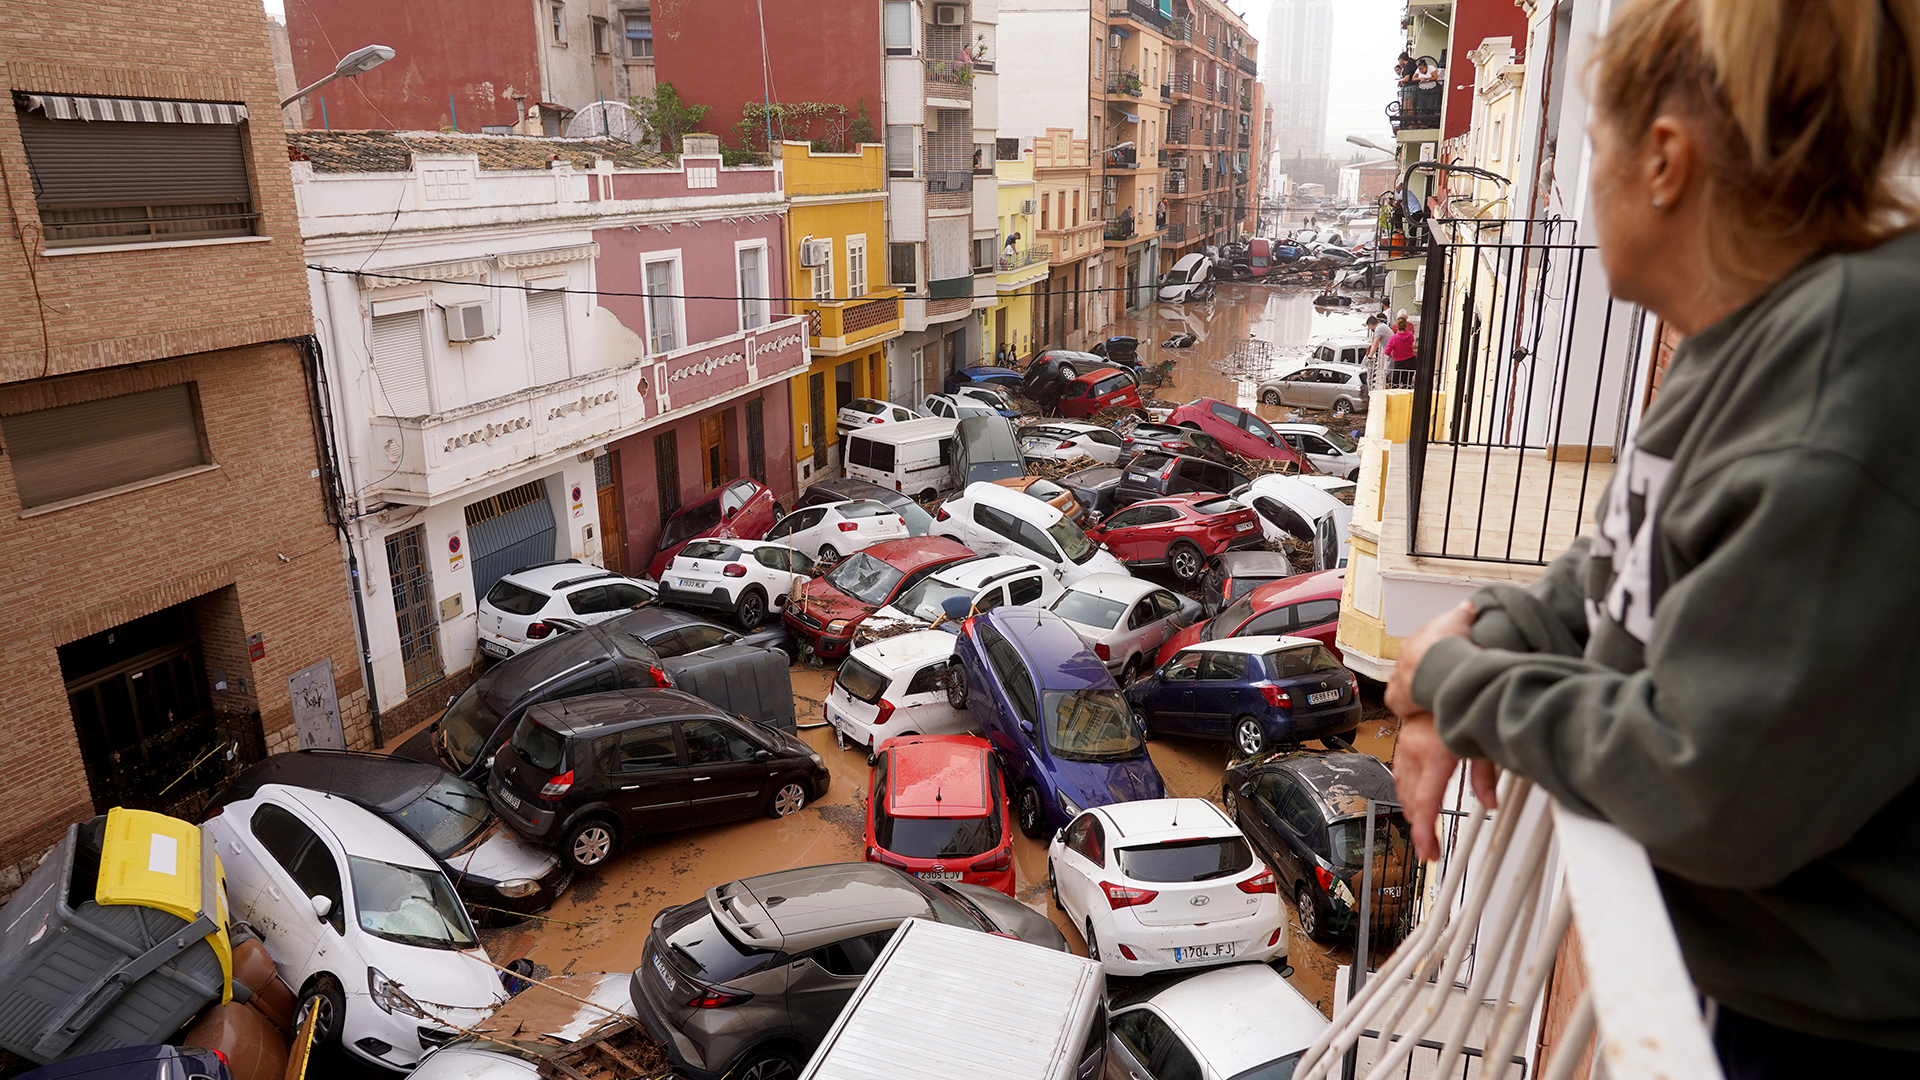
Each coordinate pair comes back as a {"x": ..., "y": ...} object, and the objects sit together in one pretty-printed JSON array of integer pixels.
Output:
[
  {"x": 710, "y": 549},
  {"x": 1340, "y": 442},
  {"x": 538, "y": 746},
  {"x": 919, "y": 522},
  {"x": 446, "y": 816},
  {"x": 1228, "y": 620},
  {"x": 950, "y": 907},
  {"x": 1186, "y": 860},
  {"x": 1222, "y": 505},
  {"x": 1349, "y": 838},
  {"x": 1073, "y": 543},
  {"x": 1088, "y": 610},
  {"x": 989, "y": 471},
  {"x": 865, "y": 578},
  {"x": 1045, "y": 490},
  {"x": 1277, "y": 1069},
  {"x": 865, "y": 508},
  {"x": 1294, "y": 663},
  {"x": 935, "y": 838},
  {"x": 928, "y": 600},
  {"x": 691, "y": 522},
  {"x": 467, "y": 724},
  {"x": 1090, "y": 725},
  {"x": 409, "y": 905},
  {"x": 515, "y": 599},
  {"x": 861, "y": 682},
  {"x": 867, "y": 405}
]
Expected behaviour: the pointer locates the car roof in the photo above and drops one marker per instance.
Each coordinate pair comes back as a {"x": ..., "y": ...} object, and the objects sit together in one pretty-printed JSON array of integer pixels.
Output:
[
  {"x": 841, "y": 487},
  {"x": 591, "y": 712},
  {"x": 910, "y": 553},
  {"x": 1317, "y": 429},
  {"x": 513, "y": 678},
  {"x": 1113, "y": 586},
  {"x": 1070, "y": 354},
  {"x": 1188, "y": 260},
  {"x": 933, "y": 776},
  {"x": 1342, "y": 342},
  {"x": 905, "y": 431},
  {"x": 1002, "y": 498},
  {"x": 360, "y": 831},
  {"x": 1057, "y": 653},
  {"x": 1100, "y": 373},
  {"x": 905, "y": 650},
  {"x": 643, "y": 622},
  {"x": 1256, "y": 643},
  {"x": 1298, "y": 587},
  {"x": 381, "y": 781},
  {"x": 1314, "y": 502},
  {"x": 1239, "y": 1016},
  {"x": 1343, "y": 779},
  {"x": 550, "y": 577},
  {"x": 1255, "y": 563},
  {"x": 988, "y": 371},
  {"x": 1156, "y": 819},
  {"x": 975, "y": 573},
  {"x": 814, "y": 905}
]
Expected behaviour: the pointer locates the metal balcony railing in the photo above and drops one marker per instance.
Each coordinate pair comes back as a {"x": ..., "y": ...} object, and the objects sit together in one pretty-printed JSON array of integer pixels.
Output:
[
  {"x": 1174, "y": 233},
  {"x": 1139, "y": 11},
  {"x": 1176, "y": 185},
  {"x": 1127, "y": 82},
  {"x": 1246, "y": 140},
  {"x": 1183, "y": 84},
  {"x": 1247, "y": 64},
  {"x": 1417, "y": 108},
  {"x": 1123, "y": 158},
  {"x": 1177, "y": 136},
  {"x": 1180, "y": 30},
  {"x": 1029, "y": 257},
  {"x": 1166, "y": 91},
  {"x": 1119, "y": 230},
  {"x": 949, "y": 73}
]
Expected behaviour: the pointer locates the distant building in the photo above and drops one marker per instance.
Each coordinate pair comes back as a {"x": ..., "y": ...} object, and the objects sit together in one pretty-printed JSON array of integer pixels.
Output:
[
  {"x": 1365, "y": 181},
  {"x": 1298, "y": 73}
]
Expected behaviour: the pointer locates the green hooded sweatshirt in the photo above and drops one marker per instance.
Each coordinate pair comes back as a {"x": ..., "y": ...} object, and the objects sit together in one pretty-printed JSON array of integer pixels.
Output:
[{"x": 1728, "y": 667}]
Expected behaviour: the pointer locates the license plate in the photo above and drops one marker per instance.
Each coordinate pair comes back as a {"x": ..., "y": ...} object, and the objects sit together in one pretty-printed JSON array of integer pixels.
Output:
[
  {"x": 1323, "y": 697},
  {"x": 1203, "y": 952},
  {"x": 660, "y": 969},
  {"x": 495, "y": 649},
  {"x": 938, "y": 875},
  {"x": 689, "y": 583},
  {"x": 509, "y": 798},
  {"x": 1245, "y": 526}
]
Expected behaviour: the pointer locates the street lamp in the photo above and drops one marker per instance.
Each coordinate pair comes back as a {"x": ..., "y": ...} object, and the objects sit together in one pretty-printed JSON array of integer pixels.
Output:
[
  {"x": 1369, "y": 144},
  {"x": 358, "y": 62}
]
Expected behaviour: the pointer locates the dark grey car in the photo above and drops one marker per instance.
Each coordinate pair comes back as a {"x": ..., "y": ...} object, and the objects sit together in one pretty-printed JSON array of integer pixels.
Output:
[{"x": 745, "y": 983}]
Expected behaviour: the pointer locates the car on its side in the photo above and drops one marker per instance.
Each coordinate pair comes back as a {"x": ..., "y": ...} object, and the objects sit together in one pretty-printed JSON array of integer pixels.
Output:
[
  {"x": 1235, "y": 1022},
  {"x": 1294, "y": 506},
  {"x": 743, "y": 578},
  {"x": 746, "y": 981},
  {"x": 1055, "y": 716},
  {"x": 1099, "y": 390},
  {"x": 992, "y": 520},
  {"x": 1067, "y": 440},
  {"x": 1190, "y": 279},
  {"x": 861, "y": 412},
  {"x": 937, "y": 808},
  {"x": 826, "y": 610},
  {"x": 743, "y": 510},
  {"x": 1056, "y": 365},
  {"x": 1182, "y": 532},
  {"x": 1305, "y": 812},
  {"x": 984, "y": 450},
  {"x": 950, "y": 594},
  {"x": 359, "y": 918},
  {"x": 1124, "y": 619},
  {"x": 1258, "y": 692},
  {"x": 1165, "y": 883},
  {"x": 834, "y": 530},
  {"x": 1330, "y": 451},
  {"x": 1238, "y": 430},
  {"x": 1305, "y": 605},
  {"x": 515, "y": 612},
  {"x": 1341, "y": 389},
  {"x": 992, "y": 396},
  {"x": 895, "y": 686},
  {"x": 492, "y": 868},
  {"x": 957, "y": 407},
  {"x": 1236, "y": 573},
  {"x": 1047, "y": 491},
  {"x": 1173, "y": 439},
  {"x": 592, "y": 773},
  {"x": 840, "y": 489},
  {"x": 1154, "y": 475},
  {"x": 1000, "y": 378}
]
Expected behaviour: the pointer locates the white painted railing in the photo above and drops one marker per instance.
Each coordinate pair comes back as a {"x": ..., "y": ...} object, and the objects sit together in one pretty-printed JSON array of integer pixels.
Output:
[{"x": 1518, "y": 879}]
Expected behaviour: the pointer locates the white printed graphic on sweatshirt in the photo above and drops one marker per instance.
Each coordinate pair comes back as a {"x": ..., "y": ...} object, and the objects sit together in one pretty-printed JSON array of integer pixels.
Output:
[{"x": 1626, "y": 537}]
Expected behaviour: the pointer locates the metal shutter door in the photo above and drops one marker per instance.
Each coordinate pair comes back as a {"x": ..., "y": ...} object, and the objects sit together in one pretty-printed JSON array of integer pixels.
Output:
[
  {"x": 512, "y": 538},
  {"x": 115, "y": 163},
  {"x": 400, "y": 364},
  {"x": 72, "y": 450},
  {"x": 547, "y": 327}
]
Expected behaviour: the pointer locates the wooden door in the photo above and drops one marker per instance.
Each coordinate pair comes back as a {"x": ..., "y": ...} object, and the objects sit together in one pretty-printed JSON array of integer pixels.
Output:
[
  {"x": 613, "y": 526},
  {"x": 713, "y": 451}
]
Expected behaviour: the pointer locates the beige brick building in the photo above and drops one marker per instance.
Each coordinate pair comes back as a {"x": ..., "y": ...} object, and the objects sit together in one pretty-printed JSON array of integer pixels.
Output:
[{"x": 164, "y": 520}]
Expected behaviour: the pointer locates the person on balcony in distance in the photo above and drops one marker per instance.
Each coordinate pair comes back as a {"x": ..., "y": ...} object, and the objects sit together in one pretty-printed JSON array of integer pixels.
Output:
[
  {"x": 1725, "y": 667},
  {"x": 1400, "y": 350},
  {"x": 1403, "y": 69}
]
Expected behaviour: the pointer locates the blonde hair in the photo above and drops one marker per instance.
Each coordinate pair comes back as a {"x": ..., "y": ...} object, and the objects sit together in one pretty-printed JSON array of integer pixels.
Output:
[{"x": 1813, "y": 103}]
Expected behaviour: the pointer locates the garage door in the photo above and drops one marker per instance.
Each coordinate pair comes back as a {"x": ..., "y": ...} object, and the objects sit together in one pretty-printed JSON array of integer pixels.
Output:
[{"x": 510, "y": 530}]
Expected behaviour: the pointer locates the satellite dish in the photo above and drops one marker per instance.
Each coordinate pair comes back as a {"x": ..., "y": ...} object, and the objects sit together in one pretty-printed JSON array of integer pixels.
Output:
[{"x": 607, "y": 119}]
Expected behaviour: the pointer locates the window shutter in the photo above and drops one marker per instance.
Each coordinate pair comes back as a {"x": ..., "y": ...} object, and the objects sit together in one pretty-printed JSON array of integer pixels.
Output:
[
  {"x": 109, "y": 181},
  {"x": 400, "y": 364},
  {"x": 900, "y": 150},
  {"x": 547, "y": 327},
  {"x": 73, "y": 450},
  {"x": 899, "y": 25}
]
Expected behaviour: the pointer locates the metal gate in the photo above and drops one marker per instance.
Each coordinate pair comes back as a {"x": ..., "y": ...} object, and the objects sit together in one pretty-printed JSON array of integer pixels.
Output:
[
  {"x": 510, "y": 530},
  {"x": 413, "y": 607},
  {"x": 757, "y": 440}
]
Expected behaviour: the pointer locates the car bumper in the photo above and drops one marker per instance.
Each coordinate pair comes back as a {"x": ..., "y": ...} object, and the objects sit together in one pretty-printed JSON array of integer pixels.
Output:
[
  {"x": 1299, "y": 727},
  {"x": 681, "y": 1049},
  {"x": 527, "y": 819},
  {"x": 501, "y": 648},
  {"x": 1154, "y": 946},
  {"x": 493, "y": 902},
  {"x": 1256, "y": 538},
  {"x": 827, "y": 648},
  {"x": 856, "y": 731},
  {"x": 717, "y": 600},
  {"x": 407, "y": 1037}
]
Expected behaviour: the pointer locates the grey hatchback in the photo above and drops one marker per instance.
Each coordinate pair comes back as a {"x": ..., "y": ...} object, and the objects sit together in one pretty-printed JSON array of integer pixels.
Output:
[{"x": 746, "y": 982}]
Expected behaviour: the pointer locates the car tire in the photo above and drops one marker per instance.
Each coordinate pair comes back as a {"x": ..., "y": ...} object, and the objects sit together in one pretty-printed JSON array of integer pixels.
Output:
[
  {"x": 1093, "y": 943},
  {"x": 590, "y": 843},
  {"x": 1249, "y": 737},
  {"x": 1231, "y": 801},
  {"x": 1310, "y": 922},
  {"x": 770, "y": 1063},
  {"x": 788, "y": 799},
  {"x": 956, "y": 680},
  {"x": 1343, "y": 407},
  {"x": 1129, "y": 671},
  {"x": 751, "y": 610},
  {"x": 829, "y": 553},
  {"x": 323, "y": 994},
  {"x": 1068, "y": 372},
  {"x": 1053, "y": 888},
  {"x": 1033, "y": 817},
  {"x": 1185, "y": 560},
  {"x": 1269, "y": 397},
  {"x": 1146, "y": 726}
]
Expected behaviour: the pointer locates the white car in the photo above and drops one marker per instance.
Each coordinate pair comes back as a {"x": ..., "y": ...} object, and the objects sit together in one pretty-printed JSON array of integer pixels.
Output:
[
  {"x": 834, "y": 530},
  {"x": 513, "y": 613},
  {"x": 1068, "y": 440},
  {"x": 861, "y": 412},
  {"x": 959, "y": 589},
  {"x": 1124, "y": 619},
  {"x": 998, "y": 520},
  {"x": 747, "y": 579},
  {"x": 990, "y": 396},
  {"x": 1330, "y": 451},
  {"x": 1291, "y": 506},
  {"x": 359, "y": 918},
  {"x": 1190, "y": 279},
  {"x": 504, "y": 1047},
  {"x": 1165, "y": 883},
  {"x": 1243, "y": 1020},
  {"x": 896, "y": 686},
  {"x": 957, "y": 407}
]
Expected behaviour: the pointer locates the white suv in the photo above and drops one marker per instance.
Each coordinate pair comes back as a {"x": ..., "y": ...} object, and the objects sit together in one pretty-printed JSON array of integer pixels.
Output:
[
  {"x": 957, "y": 590},
  {"x": 512, "y": 613},
  {"x": 1001, "y": 521},
  {"x": 863, "y": 411},
  {"x": 895, "y": 687},
  {"x": 743, "y": 578}
]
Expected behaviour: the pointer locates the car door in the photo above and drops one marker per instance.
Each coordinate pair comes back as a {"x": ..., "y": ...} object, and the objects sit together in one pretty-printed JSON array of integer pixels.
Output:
[
  {"x": 1031, "y": 589},
  {"x": 1216, "y": 692},
  {"x": 1081, "y": 863},
  {"x": 1145, "y": 1047},
  {"x": 1278, "y": 844},
  {"x": 1122, "y": 532},
  {"x": 994, "y": 530},
  {"x": 1296, "y": 389},
  {"x": 799, "y": 529},
  {"x": 1150, "y": 624},
  {"x": 923, "y": 705},
  {"x": 646, "y": 777},
  {"x": 1301, "y": 826},
  {"x": 727, "y": 778},
  {"x": 821, "y": 981},
  {"x": 1019, "y": 710},
  {"x": 1174, "y": 695},
  {"x": 772, "y": 567},
  {"x": 1316, "y": 619},
  {"x": 299, "y": 866},
  {"x": 1226, "y": 428},
  {"x": 1321, "y": 453}
]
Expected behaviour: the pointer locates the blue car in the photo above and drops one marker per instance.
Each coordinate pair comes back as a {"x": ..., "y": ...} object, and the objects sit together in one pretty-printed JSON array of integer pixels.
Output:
[
  {"x": 1259, "y": 692},
  {"x": 1000, "y": 378},
  {"x": 1061, "y": 727}
]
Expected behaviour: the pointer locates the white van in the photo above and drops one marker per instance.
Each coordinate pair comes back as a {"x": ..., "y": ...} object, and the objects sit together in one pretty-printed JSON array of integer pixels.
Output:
[
  {"x": 909, "y": 456},
  {"x": 946, "y": 1001}
]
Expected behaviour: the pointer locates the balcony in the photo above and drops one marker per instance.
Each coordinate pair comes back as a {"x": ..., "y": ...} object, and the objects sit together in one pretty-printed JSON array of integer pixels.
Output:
[
  {"x": 839, "y": 326},
  {"x": 1121, "y": 157},
  {"x": 1119, "y": 231},
  {"x": 950, "y": 81},
  {"x": 1246, "y": 102},
  {"x": 1177, "y": 136},
  {"x": 1072, "y": 243},
  {"x": 1247, "y": 64},
  {"x": 1416, "y": 110},
  {"x": 1174, "y": 234},
  {"x": 1175, "y": 184},
  {"x": 1022, "y": 268},
  {"x": 1166, "y": 91},
  {"x": 1127, "y": 83},
  {"x": 1183, "y": 85},
  {"x": 1140, "y": 11},
  {"x": 1180, "y": 30},
  {"x": 1162, "y": 161},
  {"x": 1246, "y": 140},
  {"x": 946, "y": 178}
]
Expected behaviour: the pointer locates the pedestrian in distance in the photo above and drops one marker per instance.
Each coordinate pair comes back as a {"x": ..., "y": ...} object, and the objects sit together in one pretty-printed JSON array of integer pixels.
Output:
[
  {"x": 1401, "y": 349},
  {"x": 1674, "y": 672}
]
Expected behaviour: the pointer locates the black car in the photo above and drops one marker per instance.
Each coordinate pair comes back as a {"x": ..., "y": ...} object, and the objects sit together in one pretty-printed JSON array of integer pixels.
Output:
[
  {"x": 493, "y": 870},
  {"x": 1155, "y": 475},
  {"x": 1056, "y": 366},
  {"x": 590, "y": 773},
  {"x": 919, "y": 522},
  {"x": 1305, "y": 811},
  {"x": 1096, "y": 488},
  {"x": 742, "y": 673},
  {"x": 1119, "y": 349},
  {"x": 1236, "y": 573}
]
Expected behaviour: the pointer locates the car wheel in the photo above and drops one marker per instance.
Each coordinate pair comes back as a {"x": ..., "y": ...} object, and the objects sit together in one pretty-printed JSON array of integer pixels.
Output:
[
  {"x": 1343, "y": 407},
  {"x": 751, "y": 611},
  {"x": 957, "y": 687},
  {"x": 1309, "y": 915},
  {"x": 1093, "y": 943},
  {"x": 1249, "y": 737},
  {"x": 1032, "y": 820},
  {"x": 1068, "y": 373},
  {"x": 1053, "y": 887},
  {"x": 1146, "y": 726},
  {"x": 1269, "y": 397},
  {"x": 787, "y": 799},
  {"x": 590, "y": 843},
  {"x": 1232, "y": 803},
  {"x": 1130, "y": 670},
  {"x": 328, "y": 1004},
  {"x": 773, "y": 1064},
  {"x": 1185, "y": 560},
  {"x": 829, "y": 553}
]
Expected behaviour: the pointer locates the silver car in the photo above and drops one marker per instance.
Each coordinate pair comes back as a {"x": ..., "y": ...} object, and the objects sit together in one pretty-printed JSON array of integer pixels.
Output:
[
  {"x": 1340, "y": 389},
  {"x": 1124, "y": 619},
  {"x": 1330, "y": 451}
]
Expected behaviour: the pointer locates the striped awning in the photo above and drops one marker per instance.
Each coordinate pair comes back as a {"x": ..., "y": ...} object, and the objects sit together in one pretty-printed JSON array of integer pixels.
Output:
[{"x": 139, "y": 110}]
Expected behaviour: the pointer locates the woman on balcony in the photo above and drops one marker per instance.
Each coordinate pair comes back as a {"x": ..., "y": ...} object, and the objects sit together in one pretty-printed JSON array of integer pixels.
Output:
[{"x": 1728, "y": 666}]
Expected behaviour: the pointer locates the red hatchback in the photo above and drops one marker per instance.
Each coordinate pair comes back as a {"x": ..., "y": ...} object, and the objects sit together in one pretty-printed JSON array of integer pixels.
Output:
[
  {"x": 938, "y": 810},
  {"x": 1180, "y": 532},
  {"x": 1305, "y": 606},
  {"x": 1238, "y": 430},
  {"x": 826, "y": 610},
  {"x": 743, "y": 510},
  {"x": 1102, "y": 388}
]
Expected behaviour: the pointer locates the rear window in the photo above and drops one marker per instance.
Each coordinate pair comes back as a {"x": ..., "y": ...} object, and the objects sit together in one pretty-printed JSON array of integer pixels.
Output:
[
  {"x": 696, "y": 520},
  {"x": 714, "y": 955},
  {"x": 1088, "y": 609},
  {"x": 1186, "y": 860},
  {"x": 866, "y": 405},
  {"x": 538, "y": 746},
  {"x": 1390, "y": 838},
  {"x": 1112, "y": 384},
  {"x": 863, "y": 509},
  {"x": 870, "y": 454},
  {"x": 631, "y": 647},
  {"x": 1293, "y": 663},
  {"x": 861, "y": 682},
  {"x": 516, "y": 599},
  {"x": 936, "y": 838},
  {"x": 1221, "y": 505},
  {"x": 1045, "y": 489},
  {"x": 710, "y": 549},
  {"x": 1150, "y": 463}
]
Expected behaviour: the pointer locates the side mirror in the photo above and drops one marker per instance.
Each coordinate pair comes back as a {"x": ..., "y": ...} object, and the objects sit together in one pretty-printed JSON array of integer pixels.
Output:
[
  {"x": 1026, "y": 726},
  {"x": 1246, "y": 791},
  {"x": 728, "y": 513},
  {"x": 322, "y": 906}
]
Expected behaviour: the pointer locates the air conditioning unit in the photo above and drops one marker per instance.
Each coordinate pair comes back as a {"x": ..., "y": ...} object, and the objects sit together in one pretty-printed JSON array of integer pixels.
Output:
[
  {"x": 949, "y": 15},
  {"x": 1026, "y": 207},
  {"x": 1113, "y": 41},
  {"x": 814, "y": 252},
  {"x": 471, "y": 322}
]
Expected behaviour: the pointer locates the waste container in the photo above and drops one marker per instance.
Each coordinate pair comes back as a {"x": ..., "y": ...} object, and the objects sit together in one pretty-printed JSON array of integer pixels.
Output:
[{"x": 118, "y": 939}]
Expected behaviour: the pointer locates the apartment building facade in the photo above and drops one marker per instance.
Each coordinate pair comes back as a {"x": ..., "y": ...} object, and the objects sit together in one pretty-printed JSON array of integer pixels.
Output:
[{"x": 1213, "y": 140}]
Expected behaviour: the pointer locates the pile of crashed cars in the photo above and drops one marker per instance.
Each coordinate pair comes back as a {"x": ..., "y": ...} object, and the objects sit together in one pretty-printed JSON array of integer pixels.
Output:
[{"x": 1005, "y": 651}]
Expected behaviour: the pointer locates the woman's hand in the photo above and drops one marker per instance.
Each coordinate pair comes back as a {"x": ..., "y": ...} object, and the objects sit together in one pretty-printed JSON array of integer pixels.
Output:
[{"x": 1422, "y": 764}]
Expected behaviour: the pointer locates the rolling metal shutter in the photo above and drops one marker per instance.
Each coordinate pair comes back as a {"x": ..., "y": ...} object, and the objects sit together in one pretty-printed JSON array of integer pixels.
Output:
[
  {"x": 114, "y": 181},
  {"x": 400, "y": 364},
  {"x": 73, "y": 450},
  {"x": 510, "y": 530},
  {"x": 547, "y": 328}
]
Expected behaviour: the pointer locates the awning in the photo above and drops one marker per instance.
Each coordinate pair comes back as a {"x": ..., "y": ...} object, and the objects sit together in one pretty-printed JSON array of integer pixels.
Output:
[
  {"x": 1132, "y": 118},
  {"x": 139, "y": 110}
]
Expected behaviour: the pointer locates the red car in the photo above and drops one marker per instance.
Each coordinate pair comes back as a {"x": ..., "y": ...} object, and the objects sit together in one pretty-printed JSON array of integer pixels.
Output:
[
  {"x": 1238, "y": 430},
  {"x": 1305, "y": 606},
  {"x": 938, "y": 810},
  {"x": 1180, "y": 532},
  {"x": 1101, "y": 388},
  {"x": 826, "y": 610},
  {"x": 743, "y": 510}
]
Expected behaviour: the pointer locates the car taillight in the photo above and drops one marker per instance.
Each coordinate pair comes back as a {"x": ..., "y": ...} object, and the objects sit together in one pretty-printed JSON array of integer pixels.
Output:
[
  {"x": 1067, "y": 445},
  {"x": 1276, "y": 697},
  {"x": 735, "y": 570},
  {"x": 1259, "y": 883},
  {"x": 558, "y": 786},
  {"x": 1103, "y": 652},
  {"x": 881, "y": 855},
  {"x": 1122, "y": 896},
  {"x": 886, "y": 710},
  {"x": 221, "y": 1054},
  {"x": 999, "y": 860},
  {"x": 1128, "y": 953},
  {"x": 713, "y": 997},
  {"x": 660, "y": 676},
  {"x": 875, "y": 420},
  {"x": 848, "y": 526},
  {"x": 1325, "y": 877},
  {"x": 538, "y": 630},
  {"x": 942, "y": 515}
]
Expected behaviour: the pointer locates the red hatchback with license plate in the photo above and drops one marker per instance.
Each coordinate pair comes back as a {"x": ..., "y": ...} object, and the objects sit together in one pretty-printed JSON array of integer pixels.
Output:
[
  {"x": 939, "y": 811},
  {"x": 743, "y": 510},
  {"x": 1099, "y": 390},
  {"x": 1180, "y": 532},
  {"x": 826, "y": 610},
  {"x": 1306, "y": 605}
]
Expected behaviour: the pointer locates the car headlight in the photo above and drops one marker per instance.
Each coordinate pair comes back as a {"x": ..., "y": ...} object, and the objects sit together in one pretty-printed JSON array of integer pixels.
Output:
[
  {"x": 1068, "y": 806},
  {"x": 518, "y": 887},
  {"x": 818, "y": 761},
  {"x": 387, "y": 994},
  {"x": 839, "y": 626}
]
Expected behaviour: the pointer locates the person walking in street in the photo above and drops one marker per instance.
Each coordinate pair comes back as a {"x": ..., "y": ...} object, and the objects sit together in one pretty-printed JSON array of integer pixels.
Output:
[{"x": 1674, "y": 672}]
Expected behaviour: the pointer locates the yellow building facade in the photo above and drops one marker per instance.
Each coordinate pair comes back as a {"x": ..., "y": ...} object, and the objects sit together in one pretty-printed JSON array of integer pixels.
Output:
[{"x": 1022, "y": 262}]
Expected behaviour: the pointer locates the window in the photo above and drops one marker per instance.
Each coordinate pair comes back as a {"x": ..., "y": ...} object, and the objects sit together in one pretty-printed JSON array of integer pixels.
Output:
[
  {"x": 663, "y": 322},
  {"x": 304, "y": 856},
  {"x": 757, "y": 440},
  {"x": 559, "y": 23},
  {"x": 1006, "y": 149},
  {"x": 712, "y": 742},
  {"x": 640, "y": 36},
  {"x": 823, "y": 274},
  {"x": 899, "y": 28},
  {"x": 1224, "y": 667},
  {"x": 1076, "y": 211},
  {"x": 930, "y": 679},
  {"x": 1046, "y": 207},
  {"x": 1185, "y": 667},
  {"x": 856, "y": 266},
  {"x": 600, "y": 37},
  {"x": 666, "y": 472},
  {"x": 900, "y": 159},
  {"x": 73, "y": 450},
  {"x": 851, "y": 958},
  {"x": 983, "y": 251},
  {"x": 547, "y": 336},
  {"x": 753, "y": 287},
  {"x": 903, "y": 265},
  {"x": 1025, "y": 591}
]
